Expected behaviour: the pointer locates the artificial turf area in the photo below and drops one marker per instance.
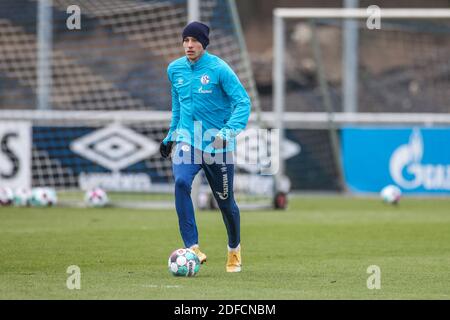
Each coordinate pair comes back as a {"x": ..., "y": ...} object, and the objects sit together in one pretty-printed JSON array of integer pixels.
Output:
[{"x": 319, "y": 248}]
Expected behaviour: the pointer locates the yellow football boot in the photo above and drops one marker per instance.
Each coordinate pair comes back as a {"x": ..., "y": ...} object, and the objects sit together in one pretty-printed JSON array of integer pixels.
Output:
[
  {"x": 201, "y": 256},
  {"x": 234, "y": 260}
]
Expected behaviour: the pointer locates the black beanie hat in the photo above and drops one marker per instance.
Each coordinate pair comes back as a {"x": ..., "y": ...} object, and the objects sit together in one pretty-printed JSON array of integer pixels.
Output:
[{"x": 198, "y": 31}]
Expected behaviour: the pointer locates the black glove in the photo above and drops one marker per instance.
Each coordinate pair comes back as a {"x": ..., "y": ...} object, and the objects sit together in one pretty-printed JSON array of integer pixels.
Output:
[
  {"x": 219, "y": 143},
  {"x": 165, "y": 149}
]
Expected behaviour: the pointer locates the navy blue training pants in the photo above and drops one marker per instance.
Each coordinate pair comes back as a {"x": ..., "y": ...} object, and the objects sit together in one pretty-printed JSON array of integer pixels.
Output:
[{"x": 219, "y": 171}]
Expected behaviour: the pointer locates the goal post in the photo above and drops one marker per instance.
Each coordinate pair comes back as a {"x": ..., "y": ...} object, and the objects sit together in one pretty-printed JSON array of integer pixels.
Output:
[
  {"x": 96, "y": 99},
  {"x": 338, "y": 117}
]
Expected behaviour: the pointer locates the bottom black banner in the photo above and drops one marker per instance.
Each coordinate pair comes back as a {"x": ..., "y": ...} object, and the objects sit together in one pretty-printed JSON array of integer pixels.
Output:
[{"x": 229, "y": 309}]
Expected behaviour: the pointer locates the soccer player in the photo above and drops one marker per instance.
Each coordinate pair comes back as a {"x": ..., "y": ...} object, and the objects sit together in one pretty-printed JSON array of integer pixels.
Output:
[{"x": 210, "y": 107}]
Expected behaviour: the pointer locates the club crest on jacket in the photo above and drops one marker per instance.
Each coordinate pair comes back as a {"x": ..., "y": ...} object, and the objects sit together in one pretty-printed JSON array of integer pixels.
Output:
[{"x": 204, "y": 79}]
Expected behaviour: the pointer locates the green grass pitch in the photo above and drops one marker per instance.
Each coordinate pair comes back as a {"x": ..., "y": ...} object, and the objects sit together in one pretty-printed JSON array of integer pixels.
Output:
[{"x": 320, "y": 248}]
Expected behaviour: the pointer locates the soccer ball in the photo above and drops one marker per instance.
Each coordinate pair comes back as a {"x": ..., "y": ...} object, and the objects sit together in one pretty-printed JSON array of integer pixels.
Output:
[
  {"x": 184, "y": 263},
  {"x": 22, "y": 197},
  {"x": 43, "y": 197},
  {"x": 96, "y": 197},
  {"x": 6, "y": 196},
  {"x": 391, "y": 194}
]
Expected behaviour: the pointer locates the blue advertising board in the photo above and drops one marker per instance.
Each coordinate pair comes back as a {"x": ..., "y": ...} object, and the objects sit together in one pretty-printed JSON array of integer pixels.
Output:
[{"x": 417, "y": 160}]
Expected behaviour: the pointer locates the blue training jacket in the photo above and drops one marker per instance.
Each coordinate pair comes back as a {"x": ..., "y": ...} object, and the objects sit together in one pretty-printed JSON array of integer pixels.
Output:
[{"x": 206, "y": 93}]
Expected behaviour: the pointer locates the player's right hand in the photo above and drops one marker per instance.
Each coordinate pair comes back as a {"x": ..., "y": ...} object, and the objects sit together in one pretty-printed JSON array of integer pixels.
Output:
[{"x": 165, "y": 149}]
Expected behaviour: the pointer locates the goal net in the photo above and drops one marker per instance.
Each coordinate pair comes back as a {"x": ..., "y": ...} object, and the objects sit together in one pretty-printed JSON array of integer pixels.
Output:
[
  {"x": 402, "y": 78},
  {"x": 108, "y": 101}
]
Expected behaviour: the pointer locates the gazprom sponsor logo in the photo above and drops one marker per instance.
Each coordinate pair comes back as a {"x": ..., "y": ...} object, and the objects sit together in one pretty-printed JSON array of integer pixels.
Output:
[
  {"x": 201, "y": 90},
  {"x": 415, "y": 159},
  {"x": 408, "y": 171},
  {"x": 224, "y": 195}
]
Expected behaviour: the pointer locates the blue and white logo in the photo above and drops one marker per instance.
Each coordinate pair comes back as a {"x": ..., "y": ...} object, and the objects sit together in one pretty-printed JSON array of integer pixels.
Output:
[
  {"x": 204, "y": 79},
  {"x": 416, "y": 159},
  {"x": 408, "y": 171}
]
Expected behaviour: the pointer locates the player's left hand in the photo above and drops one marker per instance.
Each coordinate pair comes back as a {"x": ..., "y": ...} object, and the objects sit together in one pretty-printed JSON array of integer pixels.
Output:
[
  {"x": 165, "y": 149},
  {"x": 219, "y": 143}
]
